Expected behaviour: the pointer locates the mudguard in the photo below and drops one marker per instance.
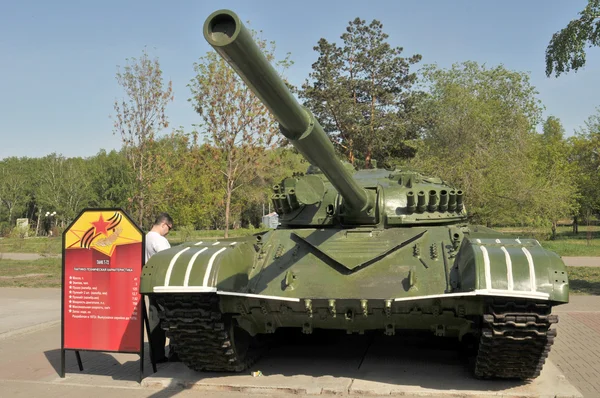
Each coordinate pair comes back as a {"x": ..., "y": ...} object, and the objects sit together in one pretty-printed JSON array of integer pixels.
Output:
[
  {"x": 199, "y": 267},
  {"x": 513, "y": 268}
]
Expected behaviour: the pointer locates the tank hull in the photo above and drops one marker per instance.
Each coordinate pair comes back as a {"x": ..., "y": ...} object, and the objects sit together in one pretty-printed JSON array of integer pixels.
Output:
[{"x": 456, "y": 281}]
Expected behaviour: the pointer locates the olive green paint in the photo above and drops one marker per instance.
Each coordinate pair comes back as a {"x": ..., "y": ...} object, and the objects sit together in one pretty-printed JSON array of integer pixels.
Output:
[{"x": 356, "y": 250}]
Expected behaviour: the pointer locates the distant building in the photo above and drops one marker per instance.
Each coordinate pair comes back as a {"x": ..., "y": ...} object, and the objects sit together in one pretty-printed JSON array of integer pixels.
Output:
[{"x": 271, "y": 220}]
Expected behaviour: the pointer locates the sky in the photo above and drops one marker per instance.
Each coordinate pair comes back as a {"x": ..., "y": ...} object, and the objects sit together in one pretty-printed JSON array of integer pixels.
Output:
[{"x": 58, "y": 59}]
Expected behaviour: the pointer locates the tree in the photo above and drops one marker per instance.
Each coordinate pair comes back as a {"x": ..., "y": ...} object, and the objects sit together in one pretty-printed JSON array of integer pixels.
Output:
[
  {"x": 556, "y": 174},
  {"x": 480, "y": 135},
  {"x": 566, "y": 50},
  {"x": 586, "y": 155},
  {"x": 360, "y": 93},
  {"x": 111, "y": 179},
  {"x": 552, "y": 129},
  {"x": 13, "y": 186},
  {"x": 139, "y": 118},
  {"x": 64, "y": 186},
  {"x": 235, "y": 120},
  {"x": 190, "y": 189}
]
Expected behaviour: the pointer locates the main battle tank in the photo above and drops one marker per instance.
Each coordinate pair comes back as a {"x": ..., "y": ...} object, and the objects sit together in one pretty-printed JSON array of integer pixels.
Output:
[{"x": 377, "y": 249}]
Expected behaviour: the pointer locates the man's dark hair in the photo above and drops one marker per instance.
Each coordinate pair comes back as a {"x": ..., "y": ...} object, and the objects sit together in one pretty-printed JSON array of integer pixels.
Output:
[{"x": 163, "y": 217}]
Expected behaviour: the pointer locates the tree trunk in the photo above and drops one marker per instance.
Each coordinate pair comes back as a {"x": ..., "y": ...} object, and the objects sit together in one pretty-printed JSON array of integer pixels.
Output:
[
  {"x": 37, "y": 227},
  {"x": 227, "y": 204},
  {"x": 575, "y": 225},
  {"x": 553, "y": 230},
  {"x": 142, "y": 188}
]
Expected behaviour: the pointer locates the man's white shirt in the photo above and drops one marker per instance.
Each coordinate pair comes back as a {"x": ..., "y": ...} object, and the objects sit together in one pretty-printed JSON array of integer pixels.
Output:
[{"x": 155, "y": 243}]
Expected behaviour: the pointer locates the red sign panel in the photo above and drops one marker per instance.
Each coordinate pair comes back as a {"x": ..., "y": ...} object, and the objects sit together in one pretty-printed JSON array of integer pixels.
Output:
[{"x": 102, "y": 263}]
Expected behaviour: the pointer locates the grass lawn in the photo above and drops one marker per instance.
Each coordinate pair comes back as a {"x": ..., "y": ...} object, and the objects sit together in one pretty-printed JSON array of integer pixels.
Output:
[
  {"x": 45, "y": 272},
  {"x": 574, "y": 248},
  {"x": 586, "y": 243},
  {"x": 41, "y": 245}
]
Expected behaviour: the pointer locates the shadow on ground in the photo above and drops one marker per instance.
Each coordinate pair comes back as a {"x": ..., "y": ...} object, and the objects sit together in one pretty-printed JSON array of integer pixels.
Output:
[
  {"x": 584, "y": 287},
  {"x": 100, "y": 364},
  {"x": 401, "y": 360}
]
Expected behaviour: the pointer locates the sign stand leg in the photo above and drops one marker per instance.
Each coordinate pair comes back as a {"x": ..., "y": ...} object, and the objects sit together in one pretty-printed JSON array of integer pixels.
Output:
[
  {"x": 62, "y": 363},
  {"x": 147, "y": 323},
  {"x": 79, "y": 363}
]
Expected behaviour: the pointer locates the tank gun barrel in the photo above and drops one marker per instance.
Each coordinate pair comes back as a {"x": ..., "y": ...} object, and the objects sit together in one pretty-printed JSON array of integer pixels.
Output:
[{"x": 224, "y": 31}]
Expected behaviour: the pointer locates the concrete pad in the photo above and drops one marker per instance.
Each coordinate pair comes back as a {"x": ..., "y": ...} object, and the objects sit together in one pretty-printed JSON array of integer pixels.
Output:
[
  {"x": 177, "y": 375},
  {"x": 367, "y": 367},
  {"x": 25, "y": 309},
  {"x": 578, "y": 303},
  {"x": 444, "y": 378}
]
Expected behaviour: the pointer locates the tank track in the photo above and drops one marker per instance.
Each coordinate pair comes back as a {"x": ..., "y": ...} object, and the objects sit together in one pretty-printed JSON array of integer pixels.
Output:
[
  {"x": 515, "y": 340},
  {"x": 203, "y": 337}
]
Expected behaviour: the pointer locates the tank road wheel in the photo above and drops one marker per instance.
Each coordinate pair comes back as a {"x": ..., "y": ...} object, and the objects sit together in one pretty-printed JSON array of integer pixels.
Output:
[
  {"x": 515, "y": 340},
  {"x": 203, "y": 337}
]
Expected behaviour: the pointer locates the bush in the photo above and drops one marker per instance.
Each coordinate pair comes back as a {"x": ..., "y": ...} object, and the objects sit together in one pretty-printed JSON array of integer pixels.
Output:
[
  {"x": 5, "y": 229},
  {"x": 185, "y": 233}
]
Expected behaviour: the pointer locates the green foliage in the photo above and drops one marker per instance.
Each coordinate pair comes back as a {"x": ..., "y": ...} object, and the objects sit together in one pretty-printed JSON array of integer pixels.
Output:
[
  {"x": 585, "y": 154},
  {"x": 566, "y": 50},
  {"x": 553, "y": 130},
  {"x": 112, "y": 179},
  {"x": 555, "y": 185},
  {"x": 187, "y": 185},
  {"x": 13, "y": 186},
  {"x": 361, "y": 94},
  {"x": 64, "y": 186},
  {"x": 480, "y": 135},
  {"x": 185, "y": 232}
]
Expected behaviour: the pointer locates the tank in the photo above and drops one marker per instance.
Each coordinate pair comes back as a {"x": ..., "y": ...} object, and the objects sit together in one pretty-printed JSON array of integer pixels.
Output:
[{"x": 378, "y": 250}]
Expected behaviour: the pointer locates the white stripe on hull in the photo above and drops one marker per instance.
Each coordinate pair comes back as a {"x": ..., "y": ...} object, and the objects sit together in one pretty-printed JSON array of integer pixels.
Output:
[
  {"x": 172, "y": 264},
  {"x": 509, "y": 274},
  {"x": 210, "y": 264},
  {"x": 261, "y": 296},
  {"x": 204, "y": 289},
  {"x": 188, "y": 271},
  {"x": 482, "y": 292},
  {"x": 182, "y": 289},
  {"x": 532, "y": 281},
  {"x": 486, "y": 265}
]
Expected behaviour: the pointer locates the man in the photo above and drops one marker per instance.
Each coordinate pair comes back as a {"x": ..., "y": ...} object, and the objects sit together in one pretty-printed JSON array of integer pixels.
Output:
[
  {"x": 155, "y": 239},
  {"x": 155, "y": 242}
]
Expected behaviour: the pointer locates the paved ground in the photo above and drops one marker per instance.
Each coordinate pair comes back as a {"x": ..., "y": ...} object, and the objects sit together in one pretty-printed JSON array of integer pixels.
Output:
[
  {"x": 27, "y": 309},
  {"x": 582, "y": 261},
  {"x": 25, "y": 256},
  {"x": 354, "y": 364},
  {"x": 326, "y": 367},
  {"x": 576, "y": 351}
]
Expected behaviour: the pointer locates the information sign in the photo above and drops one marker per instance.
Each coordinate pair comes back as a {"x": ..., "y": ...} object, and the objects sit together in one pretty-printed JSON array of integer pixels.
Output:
[{"x": 101, "y": 303}]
